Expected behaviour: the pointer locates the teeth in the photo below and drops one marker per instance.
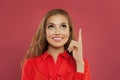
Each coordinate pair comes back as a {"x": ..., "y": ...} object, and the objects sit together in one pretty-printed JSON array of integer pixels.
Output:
[{"x": 57, "y": 38}]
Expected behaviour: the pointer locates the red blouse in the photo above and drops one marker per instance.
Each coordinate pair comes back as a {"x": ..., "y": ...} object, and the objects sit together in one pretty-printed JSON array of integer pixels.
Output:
[{"x": 44, "y": 68}]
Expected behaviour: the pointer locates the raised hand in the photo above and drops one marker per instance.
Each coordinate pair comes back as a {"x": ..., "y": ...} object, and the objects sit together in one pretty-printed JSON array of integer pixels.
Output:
[{"x": 76, "y": 48}]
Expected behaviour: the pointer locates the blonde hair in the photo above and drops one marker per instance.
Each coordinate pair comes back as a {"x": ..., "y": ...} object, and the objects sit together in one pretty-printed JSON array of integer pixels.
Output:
[{"x": 39, "y": 43}]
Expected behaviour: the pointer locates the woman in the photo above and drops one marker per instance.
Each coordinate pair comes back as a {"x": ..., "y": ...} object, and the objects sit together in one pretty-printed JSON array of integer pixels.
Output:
[{"x": 54, "y": 54}]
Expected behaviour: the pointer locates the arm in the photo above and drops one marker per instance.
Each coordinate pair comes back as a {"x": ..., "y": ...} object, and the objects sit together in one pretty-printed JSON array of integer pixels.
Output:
[
  {"x": 81, "y": 64},
  {"x": 85, "y": 75},
  {"x": 76, "y": 75},
  {"x": 27, "y": 72}
]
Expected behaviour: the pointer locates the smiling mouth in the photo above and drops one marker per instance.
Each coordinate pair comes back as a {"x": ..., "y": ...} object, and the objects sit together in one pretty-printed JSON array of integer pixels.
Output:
[{"x": 57, "y": 39}]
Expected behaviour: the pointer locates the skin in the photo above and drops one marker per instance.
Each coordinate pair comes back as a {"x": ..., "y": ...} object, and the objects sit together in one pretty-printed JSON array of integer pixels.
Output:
[
  {"x": 76, "y": 48},
  {"x": 57, "y": 26}
]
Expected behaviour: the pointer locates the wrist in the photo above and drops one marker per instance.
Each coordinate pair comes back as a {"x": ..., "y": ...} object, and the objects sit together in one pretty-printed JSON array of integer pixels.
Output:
[
  {"x": 80, "y": 67},
  {"x": 79, "y": 61}
]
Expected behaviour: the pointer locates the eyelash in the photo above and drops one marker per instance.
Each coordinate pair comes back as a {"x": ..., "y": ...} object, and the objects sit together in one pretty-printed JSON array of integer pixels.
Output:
[
  {"x": 64, "y": 26},
  {"x": 50, "y": 26}
]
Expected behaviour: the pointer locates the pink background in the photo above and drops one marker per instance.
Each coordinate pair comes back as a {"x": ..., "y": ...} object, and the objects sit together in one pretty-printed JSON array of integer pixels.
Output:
[{"x": 99, "y": 20}]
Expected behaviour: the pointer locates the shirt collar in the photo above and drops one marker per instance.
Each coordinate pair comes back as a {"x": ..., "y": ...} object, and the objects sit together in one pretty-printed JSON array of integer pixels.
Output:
[{"x": 65, "y": 54}]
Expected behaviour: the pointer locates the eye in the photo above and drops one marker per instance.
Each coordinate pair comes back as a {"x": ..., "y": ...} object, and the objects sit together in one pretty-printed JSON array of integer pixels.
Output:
[
  {"x": 64, "y": 26},
  {"x": 50, "y": 26}
]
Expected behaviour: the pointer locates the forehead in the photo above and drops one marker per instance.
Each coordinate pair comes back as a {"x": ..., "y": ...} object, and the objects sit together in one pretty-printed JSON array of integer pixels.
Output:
[{"x": 57, "y": 19}]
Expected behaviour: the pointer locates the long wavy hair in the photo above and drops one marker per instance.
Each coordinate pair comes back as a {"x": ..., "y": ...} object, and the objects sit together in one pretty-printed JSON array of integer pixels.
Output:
[{"x": 39, "y": 43}]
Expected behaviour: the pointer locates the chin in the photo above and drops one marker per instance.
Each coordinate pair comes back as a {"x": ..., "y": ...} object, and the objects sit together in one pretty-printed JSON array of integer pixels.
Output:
[{"x": 57, "y": 46}]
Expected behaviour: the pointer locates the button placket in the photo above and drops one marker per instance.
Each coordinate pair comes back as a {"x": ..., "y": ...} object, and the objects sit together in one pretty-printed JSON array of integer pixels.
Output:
[
  {"x": 59, "y": 77},
  {"x": 50, "y": 78}
]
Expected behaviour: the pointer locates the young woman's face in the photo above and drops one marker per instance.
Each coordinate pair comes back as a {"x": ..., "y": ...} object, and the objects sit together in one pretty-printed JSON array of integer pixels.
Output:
[{"x": 57, "y": 31}]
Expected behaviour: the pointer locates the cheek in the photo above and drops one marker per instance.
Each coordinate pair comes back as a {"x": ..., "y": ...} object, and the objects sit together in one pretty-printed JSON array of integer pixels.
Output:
[
  {"x": 48, "y": 34},
  {"x": 66, "y": 34}
]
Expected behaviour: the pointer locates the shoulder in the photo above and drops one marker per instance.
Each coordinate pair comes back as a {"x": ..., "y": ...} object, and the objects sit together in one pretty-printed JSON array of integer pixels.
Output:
[
  {"x": 32, "y": 61},
  {"x": 86, "y": 62}
]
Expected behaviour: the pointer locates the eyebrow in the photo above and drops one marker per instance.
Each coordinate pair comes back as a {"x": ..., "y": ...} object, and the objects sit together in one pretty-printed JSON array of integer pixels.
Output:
[
  {"x": 49, "y": 23},
  {"x": 64, "y": 23},
  {"x": 53, "y": 23}
]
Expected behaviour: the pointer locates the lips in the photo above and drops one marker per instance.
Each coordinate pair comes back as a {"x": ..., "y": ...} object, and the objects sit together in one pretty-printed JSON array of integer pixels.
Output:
[{"x": 57, "y": 38}]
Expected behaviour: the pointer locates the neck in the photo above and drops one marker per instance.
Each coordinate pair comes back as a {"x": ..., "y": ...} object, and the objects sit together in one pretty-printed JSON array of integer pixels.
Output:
[{"x": 55, "y": 51}]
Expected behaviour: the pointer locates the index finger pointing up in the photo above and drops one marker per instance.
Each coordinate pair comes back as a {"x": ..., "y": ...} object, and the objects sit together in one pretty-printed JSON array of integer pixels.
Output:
[{"x": 80, "y": 36}]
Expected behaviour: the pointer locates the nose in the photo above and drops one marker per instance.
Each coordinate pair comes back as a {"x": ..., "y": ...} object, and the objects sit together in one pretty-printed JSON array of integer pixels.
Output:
[{"x": 57, "y": 31}]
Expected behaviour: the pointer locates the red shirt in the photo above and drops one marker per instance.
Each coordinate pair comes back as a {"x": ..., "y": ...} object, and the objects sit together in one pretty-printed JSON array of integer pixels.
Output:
[{"x": 44, "y": 68}]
